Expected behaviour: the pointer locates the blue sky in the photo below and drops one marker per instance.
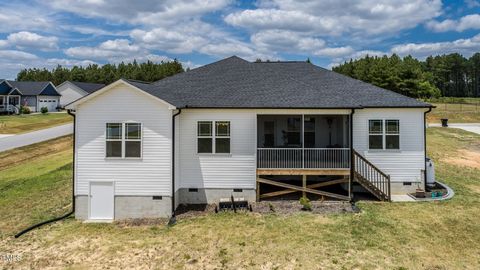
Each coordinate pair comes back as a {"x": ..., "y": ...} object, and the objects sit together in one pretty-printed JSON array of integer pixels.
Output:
[{"x": 196, "y": 32}]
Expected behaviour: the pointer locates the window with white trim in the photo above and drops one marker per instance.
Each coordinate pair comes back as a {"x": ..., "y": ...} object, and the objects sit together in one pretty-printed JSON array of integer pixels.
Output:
[
  {"x": 383, "y": 134},
  {"x": 123, "y": 140},
  {"x": 213, "y": 137}
]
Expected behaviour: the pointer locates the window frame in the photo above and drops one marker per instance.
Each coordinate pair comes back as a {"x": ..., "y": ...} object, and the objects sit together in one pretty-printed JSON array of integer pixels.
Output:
[
  {"x": 384, "y": 134},
  {"x": 214, "y": 137},
  {"x": 123, "y": 140}
]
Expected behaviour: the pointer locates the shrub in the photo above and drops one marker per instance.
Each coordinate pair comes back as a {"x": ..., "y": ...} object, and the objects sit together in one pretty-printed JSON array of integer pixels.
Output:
[
  {"x": 306, "y": 205},
  {"x": 44, "y": 110},
  {"x": 24, "y": 110}
]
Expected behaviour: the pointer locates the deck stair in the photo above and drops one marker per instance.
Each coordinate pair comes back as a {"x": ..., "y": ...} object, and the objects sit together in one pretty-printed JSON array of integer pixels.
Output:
[{"x": 371, "y": 177}]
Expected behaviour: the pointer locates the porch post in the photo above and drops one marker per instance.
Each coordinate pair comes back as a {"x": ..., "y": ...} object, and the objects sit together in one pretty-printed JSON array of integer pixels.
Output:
[
  {"x": 303, "y": 141},
  {"x": 352, "y": 161}
]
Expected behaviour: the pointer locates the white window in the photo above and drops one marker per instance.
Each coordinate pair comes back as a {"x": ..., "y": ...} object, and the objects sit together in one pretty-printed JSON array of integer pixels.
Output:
[
  {"x": 213, "y": 141},
  {"x": 383, "y": 134},
  {"x": 124, "y": 140}
]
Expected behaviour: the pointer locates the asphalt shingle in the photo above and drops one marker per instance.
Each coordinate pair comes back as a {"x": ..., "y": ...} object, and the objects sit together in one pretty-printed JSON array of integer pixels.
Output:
[{"x": 237, "y": 83}]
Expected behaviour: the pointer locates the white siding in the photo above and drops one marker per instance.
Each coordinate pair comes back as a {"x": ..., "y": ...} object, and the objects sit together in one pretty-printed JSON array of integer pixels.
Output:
[
  {"x": 150, "y": 175},
  {"x": 69, "y": 93},
  {"x": 404, "y": 165},
  {"x": 235, "y": 170}
]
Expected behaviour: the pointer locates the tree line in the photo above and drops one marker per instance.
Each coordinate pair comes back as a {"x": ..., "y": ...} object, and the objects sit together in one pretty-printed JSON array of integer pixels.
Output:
[
  {"x": 450, "y": 75},
  {"x": 108, "y": 73}
]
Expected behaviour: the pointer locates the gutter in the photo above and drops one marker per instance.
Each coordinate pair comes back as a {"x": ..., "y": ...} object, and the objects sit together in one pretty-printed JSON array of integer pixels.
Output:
[
  {"x": 425, "y": 147},
  {"x": 173, "y": 219},
  {"x": 73, "y": 191},
  {"x": 351, "y": 156}
]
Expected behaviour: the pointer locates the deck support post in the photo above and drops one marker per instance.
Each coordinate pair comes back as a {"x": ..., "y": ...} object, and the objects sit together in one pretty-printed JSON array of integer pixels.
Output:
[
  {"x": 304, "y": 185},
  {"x": 258, "y": 191}
]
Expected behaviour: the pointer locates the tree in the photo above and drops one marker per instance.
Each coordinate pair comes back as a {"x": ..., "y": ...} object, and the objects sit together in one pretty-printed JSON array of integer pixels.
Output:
[
  {"x": 441, "y": 75},
  {"x": 108, "y": 73}
]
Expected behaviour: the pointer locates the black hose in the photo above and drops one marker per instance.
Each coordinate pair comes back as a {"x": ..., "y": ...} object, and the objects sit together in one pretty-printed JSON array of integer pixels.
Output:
[{"x": 73, "y": 192}]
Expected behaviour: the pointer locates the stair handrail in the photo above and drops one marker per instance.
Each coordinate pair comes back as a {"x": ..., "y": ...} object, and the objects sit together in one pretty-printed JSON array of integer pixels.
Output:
[{"x": 386, "y": 190}]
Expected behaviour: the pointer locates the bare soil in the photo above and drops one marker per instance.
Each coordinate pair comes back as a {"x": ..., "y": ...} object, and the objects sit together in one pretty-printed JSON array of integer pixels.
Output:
[{"x": 464, "y": 157}]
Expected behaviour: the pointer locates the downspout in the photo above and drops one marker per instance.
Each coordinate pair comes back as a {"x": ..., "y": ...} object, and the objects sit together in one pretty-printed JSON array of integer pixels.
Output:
[
  {"x": 73, "y": 190},
  {"x": 425, "y": 147},
  {"x": 173, "y": 219},
  {"x": 351, "y": 156}
]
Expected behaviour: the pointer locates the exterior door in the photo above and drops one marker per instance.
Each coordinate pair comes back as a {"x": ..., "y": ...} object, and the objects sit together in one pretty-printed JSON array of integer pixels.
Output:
[{"x": 101, "y": 200}]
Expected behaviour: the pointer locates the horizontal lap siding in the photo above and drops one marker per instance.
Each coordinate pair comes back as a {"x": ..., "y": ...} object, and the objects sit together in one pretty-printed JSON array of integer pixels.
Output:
[
  {"x": 236, "y": 170},
  {"x": 405, "y": 165},
  {"x": 69, "y": 93},
  {"x": 150, "y": 175}
]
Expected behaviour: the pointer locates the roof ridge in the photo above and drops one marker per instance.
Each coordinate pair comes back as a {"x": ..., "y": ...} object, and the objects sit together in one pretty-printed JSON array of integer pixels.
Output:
[{"x": 200, "y": 68}]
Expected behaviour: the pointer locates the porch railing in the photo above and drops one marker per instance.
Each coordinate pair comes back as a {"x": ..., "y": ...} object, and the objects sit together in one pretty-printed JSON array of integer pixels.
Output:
[{"x": 303, "y": 158}]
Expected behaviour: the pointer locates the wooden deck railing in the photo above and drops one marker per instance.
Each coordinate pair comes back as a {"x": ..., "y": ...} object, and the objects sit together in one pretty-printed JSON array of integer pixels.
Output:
[
  {"x": 371, "y": 177},
  {"x": 303, "y": 158}
]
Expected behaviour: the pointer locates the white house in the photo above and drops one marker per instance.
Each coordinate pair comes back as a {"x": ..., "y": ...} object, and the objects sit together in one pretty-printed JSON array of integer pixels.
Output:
[
  {"x": 251, "y": 130},
  {"x": 71, "y": 90}
]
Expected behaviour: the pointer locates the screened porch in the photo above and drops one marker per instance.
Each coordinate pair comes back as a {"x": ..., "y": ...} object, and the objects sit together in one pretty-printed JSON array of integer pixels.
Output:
[{"x": 303, "y": 142}]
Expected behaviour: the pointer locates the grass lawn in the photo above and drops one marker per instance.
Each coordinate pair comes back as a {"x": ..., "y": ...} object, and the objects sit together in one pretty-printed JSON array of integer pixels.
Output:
[
  {"x": 13, "y": 124},
  {"x": 433, "y": 235},
  {"x": 467, "y": 112}
]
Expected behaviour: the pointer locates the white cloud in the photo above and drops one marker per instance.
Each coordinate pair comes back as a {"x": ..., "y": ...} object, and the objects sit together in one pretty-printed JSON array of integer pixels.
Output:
[
  {"x": 15, "y": 55},
  {"x": 24, "y": 39},
  {"x": 147, "y": 12},
  {"x": 335, "y": 51},
  {"x": 174, "y": 40},
  {"x": 107, "y": 50},
  {"x": 472, "y": 3},
  {"x": 16, "y": 17},
  {"x": 466, "y": 47},
  {"x": 287, "y": 41},
  {"x": 366, "y": 17},
  {"x": 471, "y": 21}
]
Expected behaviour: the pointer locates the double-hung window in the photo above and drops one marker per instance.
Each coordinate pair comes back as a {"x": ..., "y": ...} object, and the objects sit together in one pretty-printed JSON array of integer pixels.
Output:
[
  {"x": 123, "y": 140},
  {"x": 213, "y": 137},
  {"x": 383, "y": 134}
]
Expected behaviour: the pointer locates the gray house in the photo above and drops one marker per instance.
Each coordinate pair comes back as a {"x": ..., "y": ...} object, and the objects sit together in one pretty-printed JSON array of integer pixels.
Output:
[
  {"x": 71, "y": 90},
  {"x": 33, "y": 95}
]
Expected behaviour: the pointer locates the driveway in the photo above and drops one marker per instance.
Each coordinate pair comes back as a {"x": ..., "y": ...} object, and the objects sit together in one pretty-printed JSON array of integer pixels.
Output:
[
  {"x": 14, "y": 141},
  {"x": 472, "y": 127}
]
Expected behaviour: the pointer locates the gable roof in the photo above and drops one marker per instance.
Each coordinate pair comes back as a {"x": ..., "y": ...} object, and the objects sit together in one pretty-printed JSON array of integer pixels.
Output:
[
  {"x": 237, "y": 83},
  {"x": 136, "y": 85},
  {"x": 30, "y": 88},
  {"x": 88, "y": 87}
]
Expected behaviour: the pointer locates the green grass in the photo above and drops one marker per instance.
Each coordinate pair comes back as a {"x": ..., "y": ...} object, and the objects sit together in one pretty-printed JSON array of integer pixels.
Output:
[
  {"x": 431, "y": 235},
  {"x": 457, "y": 110},
  {"x": 37, "y": 188},
  {"x": 14, "y": 124}
]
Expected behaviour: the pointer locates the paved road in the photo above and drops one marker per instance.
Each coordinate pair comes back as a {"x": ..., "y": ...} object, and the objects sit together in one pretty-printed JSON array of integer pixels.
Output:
[
  {"x": 15, "y": 141},
  {"x": 472, "y": 127}
]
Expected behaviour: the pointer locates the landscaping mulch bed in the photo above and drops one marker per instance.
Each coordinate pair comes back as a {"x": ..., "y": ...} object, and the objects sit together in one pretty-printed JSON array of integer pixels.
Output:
[
  {"x": 282, "y": 207},
  {"x": 292, "y": 207}
]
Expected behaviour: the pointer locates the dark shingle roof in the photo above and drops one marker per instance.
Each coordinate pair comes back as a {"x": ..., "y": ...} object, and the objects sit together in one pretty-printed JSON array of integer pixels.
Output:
[
  {"x": 88, "y": 87},
  {"x": 236, "y": 83},
  {"x": 29, "y": 88}
]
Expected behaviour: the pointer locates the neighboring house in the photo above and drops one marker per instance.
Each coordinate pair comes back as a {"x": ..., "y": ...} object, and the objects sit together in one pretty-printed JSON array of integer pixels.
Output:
[
  {"x": 251, "y": 130},
  {"x": 33, "y": 95},
  {"x": 72, "y": 91}
]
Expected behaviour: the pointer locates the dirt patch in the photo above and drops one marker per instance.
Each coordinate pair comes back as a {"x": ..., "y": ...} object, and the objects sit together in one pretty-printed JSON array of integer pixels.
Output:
[
  {"x": 464, "y": 157},
  {"x": 287, "y": 207},
  {"x": 283, "y": 207}
]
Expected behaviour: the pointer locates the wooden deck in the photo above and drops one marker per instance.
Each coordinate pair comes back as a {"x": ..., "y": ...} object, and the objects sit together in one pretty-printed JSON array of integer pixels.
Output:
[{"x": 303, "y": 171}]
